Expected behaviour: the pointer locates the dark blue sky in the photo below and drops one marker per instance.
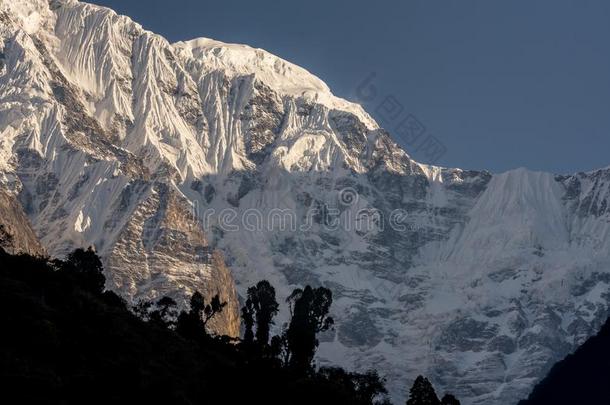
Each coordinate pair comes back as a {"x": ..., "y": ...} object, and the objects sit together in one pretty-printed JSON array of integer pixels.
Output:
[{"x": 500, "y": 84}]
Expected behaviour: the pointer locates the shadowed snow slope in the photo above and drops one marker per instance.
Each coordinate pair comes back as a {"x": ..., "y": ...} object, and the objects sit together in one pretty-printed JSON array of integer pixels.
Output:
[{"x": 111, "y": 136}]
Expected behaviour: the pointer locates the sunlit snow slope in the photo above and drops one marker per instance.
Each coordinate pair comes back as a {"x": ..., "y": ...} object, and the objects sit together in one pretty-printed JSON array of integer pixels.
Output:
[{"x": 111, "y": 137}]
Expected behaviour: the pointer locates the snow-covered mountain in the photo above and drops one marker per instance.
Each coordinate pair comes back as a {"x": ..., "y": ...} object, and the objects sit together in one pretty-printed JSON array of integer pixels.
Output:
[{"x": 112, "y": 137}]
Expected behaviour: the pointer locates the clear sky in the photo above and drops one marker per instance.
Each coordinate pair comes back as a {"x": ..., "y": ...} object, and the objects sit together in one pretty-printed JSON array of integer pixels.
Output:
[{"x": 502, "y": 84}]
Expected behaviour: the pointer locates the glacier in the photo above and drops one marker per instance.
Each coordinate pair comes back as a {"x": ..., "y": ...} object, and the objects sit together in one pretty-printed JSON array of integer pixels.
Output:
[{"x": 113, "y": 137}]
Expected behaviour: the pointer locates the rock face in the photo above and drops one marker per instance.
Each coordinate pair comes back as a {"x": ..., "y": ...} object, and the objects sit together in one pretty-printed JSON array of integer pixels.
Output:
[
  {"x": 161, "y": 249},
  {"x": 115, "y": 138},
  {"x": 17, "y": 226}
]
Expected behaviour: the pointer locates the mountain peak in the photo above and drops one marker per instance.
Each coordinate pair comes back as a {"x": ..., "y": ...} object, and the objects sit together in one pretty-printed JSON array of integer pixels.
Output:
[
  {"x": 115, "y": 138},
  {"x": 284, "y": 77}
]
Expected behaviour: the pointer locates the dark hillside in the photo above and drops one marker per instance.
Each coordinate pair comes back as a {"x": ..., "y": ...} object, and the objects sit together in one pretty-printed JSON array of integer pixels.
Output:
[{"x": 64, "y": 341}]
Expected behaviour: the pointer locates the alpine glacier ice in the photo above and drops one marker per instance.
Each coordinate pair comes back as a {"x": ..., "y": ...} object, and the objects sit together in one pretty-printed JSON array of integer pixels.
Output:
[{"x": 110, "y": 136}]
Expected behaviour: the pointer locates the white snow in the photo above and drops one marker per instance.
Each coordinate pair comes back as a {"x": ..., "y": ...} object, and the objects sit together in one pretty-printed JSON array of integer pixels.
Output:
[
  {"x": 82, "y": 223},
  {"x": 281, "y": 75},
  {"x": 520, "y": 258},
  {"x": 27, "y": 11}
]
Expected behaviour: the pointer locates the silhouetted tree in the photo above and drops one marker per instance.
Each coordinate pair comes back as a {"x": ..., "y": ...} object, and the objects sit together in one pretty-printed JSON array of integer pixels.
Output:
[
  {"x": 367, "y": 388},
  {"x": 309, "y": 309},
  {"x": 247, "y": 315},
  {"x": 279, "y": 348},
  {"x": 262, "y": 299},
  {"x": 192, "y": 324},
  {"x": 449, "y": 399},
  {"x": 197, "y": 302},
  {"x": 165, "y": 312},
  {"x": 422, "y": 393},
  {"x": 87, "y": 266},
  {"x": 369, "y": 385},
  {"x": 212, "y": 309},
  {"x": 114, "y": 300}
]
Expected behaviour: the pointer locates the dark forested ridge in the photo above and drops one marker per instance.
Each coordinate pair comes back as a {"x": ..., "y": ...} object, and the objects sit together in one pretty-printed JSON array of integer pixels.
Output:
[
  {"x": 582, "y": 378},
  {"x": 65, "y": 340}
]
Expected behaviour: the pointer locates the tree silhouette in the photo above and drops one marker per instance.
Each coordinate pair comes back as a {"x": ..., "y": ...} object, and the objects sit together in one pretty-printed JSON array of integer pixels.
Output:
[
  {"x": 422, "y": 393},
  {"x": 262, "y": 300},
  {"x": 366, "y": 388},
  {"x": 87, "y": 267},
  {"x": 212, "y": 309},
  {"x": 165, "y": 312},
  {"x": 247, "y": 315},
  {"x": 279, "y": 348},
  {"x": 449, "y": 399},
  {"x": 309, "y": 309},
  {"x": 192, "y": 324},
  {"x": 369, "y": 385}
]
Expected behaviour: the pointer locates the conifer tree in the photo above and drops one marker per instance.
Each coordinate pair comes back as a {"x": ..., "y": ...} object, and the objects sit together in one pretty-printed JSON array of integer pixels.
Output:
[{"x": 422, "y": 393}]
